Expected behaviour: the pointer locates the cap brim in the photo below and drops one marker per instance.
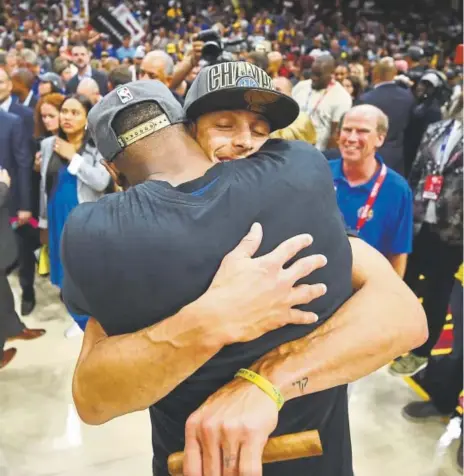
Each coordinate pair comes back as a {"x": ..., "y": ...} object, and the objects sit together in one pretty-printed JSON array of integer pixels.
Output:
[{"x": 279, "y": 109}]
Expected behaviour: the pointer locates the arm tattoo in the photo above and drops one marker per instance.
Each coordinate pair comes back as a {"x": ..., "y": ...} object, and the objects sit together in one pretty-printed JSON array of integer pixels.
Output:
[{"x": 301, "y": 384}]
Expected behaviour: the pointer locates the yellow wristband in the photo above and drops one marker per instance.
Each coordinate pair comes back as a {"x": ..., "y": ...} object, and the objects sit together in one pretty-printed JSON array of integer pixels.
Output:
[{"x": 263, "y": 384}]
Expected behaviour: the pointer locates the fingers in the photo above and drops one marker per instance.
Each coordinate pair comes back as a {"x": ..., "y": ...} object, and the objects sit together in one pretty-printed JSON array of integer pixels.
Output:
[
  {"x": 192, "y": 451},
  {"x": 251, "y": 455},
  {"x": 305, "y": 266},
  {"x": 192, "y": 458},
  {"x": 305, "y": 293},
  {"x": 230, "y": 456},
  {"x": 210, "y": 447},
  {"x": 250, "y": 243},
  {"x": 295, "y": 316},
  {"x": 288, "y": 250}
]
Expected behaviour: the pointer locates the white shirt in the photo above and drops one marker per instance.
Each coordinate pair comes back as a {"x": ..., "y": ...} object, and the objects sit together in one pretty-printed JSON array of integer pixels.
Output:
[
  {"x": 28, "y": 98},
  {"x": 87, "y": 73},
  {"x": 6, "y": 104},
  {"x": 323, "y": 107},
  {"x": 441, "y": 160}
]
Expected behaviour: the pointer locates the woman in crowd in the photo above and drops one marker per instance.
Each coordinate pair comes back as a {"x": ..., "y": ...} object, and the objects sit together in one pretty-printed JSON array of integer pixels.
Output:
[
  {"x": 354, "y": 86},
  {"x": 46, "y": 120},
  {"x": 71, "y": 173},
  {"x": 437, "y": 182}
]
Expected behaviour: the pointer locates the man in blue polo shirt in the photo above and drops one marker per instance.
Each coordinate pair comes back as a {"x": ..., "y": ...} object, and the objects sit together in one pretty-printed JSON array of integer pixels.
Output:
[{"x": 374, "y": 200}]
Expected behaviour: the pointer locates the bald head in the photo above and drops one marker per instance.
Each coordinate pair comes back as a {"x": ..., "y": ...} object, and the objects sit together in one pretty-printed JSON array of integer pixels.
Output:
[
  {"x": 157, "y": 65},
  {"x": 321, "y": 71},
  {"x": 370, "y": 112},
  {"x": 384, "y": 70},
  {"x": 88, "y": 87},
  {"x": 283, "y": 85}
]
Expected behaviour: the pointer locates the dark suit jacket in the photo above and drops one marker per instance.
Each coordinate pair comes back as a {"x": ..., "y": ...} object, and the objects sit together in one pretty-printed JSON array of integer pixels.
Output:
[
  {"x": 16, "y": 158},
  {"x": 397, "y": 103},
  {"x": 26, "y": 113},
  {"x": 100, "y": 78},
  {"x": 8, "y": 251},
  {"x": 32, "y": 103}
]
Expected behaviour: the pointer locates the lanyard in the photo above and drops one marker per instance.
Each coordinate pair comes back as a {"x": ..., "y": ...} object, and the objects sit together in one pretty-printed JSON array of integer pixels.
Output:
[
  {"x": 314, "y": 109},
  {"x": 372, "y": 198}
]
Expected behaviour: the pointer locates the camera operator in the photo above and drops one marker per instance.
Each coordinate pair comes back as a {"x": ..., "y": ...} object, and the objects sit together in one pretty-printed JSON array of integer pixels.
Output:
[{"x": 427, "y": 110}]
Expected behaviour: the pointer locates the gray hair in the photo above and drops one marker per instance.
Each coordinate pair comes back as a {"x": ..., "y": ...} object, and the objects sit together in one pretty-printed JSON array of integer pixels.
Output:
[
  {"x": 29, "y": 57},
  {"x": 369, "y": 110},
  {"x": 160, "y": 54}
]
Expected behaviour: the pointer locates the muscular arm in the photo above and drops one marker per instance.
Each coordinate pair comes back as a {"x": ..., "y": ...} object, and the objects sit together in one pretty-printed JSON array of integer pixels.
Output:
[
  {"x": 399, "y": 263},
  {"x": 122, "y": 374},
  {"x": 127, "y": 373},
  {"x": 381, "y": 321}
]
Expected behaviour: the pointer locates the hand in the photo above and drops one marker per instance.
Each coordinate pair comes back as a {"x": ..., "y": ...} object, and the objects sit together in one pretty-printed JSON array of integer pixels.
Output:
[
  {"x": 195, "y": 53},
  {"x": 250, "y": 297},
  {"x": 37, "y": 161},
  {"x": 5, "y": 177},
  {"x": 64, "y": 149},
  {"x": 227, "y": 434},
  {"x": 24, "y": 217}
]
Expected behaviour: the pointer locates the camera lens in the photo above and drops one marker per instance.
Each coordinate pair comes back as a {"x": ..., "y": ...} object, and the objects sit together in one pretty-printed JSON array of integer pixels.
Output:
[{"x": 211, "y": 50}]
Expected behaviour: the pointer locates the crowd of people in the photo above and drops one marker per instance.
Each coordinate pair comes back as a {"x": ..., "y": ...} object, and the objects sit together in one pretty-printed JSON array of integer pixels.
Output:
[{"x": 381, "y": 99}]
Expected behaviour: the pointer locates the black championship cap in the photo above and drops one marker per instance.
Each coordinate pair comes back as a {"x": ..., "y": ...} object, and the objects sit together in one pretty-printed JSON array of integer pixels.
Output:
[{"x": 239, "y": 85}]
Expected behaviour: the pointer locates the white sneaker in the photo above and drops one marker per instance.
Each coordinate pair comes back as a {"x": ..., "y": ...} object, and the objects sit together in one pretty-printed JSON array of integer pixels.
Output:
[{"x": 73, "y": 331}]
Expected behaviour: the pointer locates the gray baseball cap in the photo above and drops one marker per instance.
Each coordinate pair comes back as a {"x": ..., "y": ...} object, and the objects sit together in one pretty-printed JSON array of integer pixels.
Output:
[
  {"x": 101, "y": 116},
  {"x": 54, "y": 79},
  {"x": 239, "y": 85}
]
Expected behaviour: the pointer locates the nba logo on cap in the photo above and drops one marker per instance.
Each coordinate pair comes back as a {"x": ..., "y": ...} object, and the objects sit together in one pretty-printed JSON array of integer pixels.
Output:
[
  {"x": 247, "y": 82},
  {"x": 124, "y": 94}
]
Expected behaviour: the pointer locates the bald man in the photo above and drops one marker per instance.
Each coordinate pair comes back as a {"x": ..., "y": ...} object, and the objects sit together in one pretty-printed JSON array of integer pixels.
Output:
[
  {"x": 324, "y": 100},
  {"x": 88, "y": 87},
  {"x": 159, "y": 65},
  {"x": 384, "y": 220},
  {"x": 397, "y": 103},
  {"x": 301, "y": 128}
]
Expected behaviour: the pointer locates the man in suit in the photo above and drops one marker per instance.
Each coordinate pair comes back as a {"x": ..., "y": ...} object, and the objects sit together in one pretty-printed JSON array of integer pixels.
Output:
[
  {"x": 396, "y": 102},
  {"x": 24, "y": 204},
  {"x": 81, "y": 58},
  {"x": 11, "y": 328},
  {"x": 23, "y": 81}
]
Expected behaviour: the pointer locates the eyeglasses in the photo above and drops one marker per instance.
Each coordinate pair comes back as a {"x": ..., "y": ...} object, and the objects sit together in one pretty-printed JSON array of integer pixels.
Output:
[{"x": 147, "y": 73}]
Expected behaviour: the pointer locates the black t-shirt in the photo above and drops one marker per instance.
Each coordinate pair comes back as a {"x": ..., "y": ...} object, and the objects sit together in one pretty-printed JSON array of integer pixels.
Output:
[{"x": 135, "y": 258}]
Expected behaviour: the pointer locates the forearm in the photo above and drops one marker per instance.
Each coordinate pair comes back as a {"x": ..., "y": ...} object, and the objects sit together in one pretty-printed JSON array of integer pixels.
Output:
[
  {"x": 122, "y": 374},
  {"x": 181, "y": 72},
  {"x": 381, "y": 321},
  {"x": 399, "y": 263}
]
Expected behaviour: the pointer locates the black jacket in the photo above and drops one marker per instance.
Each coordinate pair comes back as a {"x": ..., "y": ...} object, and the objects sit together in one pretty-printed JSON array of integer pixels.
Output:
[
  {"x": 7, "y": 240},
  {"x": 16, "y": 158},
  {"x": 98, "y": 76},
  {"x": 397, "y": 103}
]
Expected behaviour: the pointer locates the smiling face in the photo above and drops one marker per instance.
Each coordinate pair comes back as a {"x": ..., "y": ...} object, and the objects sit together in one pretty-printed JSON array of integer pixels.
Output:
[
  {"x": 229, "y": 135},
  {"x": 359, "y": 137}
]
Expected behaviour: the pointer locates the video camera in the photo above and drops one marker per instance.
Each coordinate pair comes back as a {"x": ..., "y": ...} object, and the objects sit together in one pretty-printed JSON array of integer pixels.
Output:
[{"x": 214, "y": 48}]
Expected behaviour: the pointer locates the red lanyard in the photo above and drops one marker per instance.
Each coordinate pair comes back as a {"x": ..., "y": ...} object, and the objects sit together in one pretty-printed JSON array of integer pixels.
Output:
[
  {"x": 314, "y": 109},
  {"x": 372, "y": 198}
]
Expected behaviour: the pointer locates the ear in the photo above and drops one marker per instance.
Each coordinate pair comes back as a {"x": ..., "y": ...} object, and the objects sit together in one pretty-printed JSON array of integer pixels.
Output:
[
  {"x": 115, "y": 174},
  {"x": 380, "y": 140}
]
